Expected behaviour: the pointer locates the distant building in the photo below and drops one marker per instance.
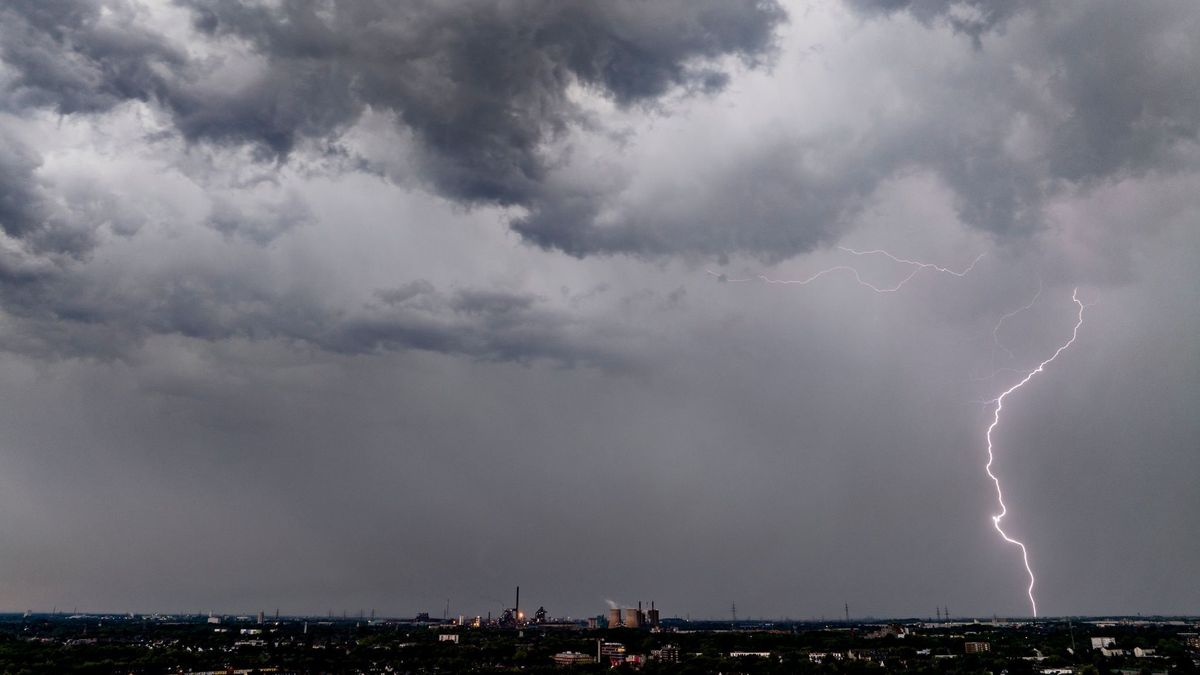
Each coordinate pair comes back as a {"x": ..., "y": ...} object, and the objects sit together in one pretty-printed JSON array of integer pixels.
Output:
[
  {"x": 1142, "y": 653},
  {"x": 612, "y": 649},
  {"x": 978, "y": 647},
  {"x": 890, "y": 630},
  {"x": 633, "y": 618},
  {"x": 256, "y": 642},
  {"x": 214, "y": 619},
  {"x": 1103, "y": 642},
  {"x": 667, "y": 654},
  {"x": 614, "y": 617},
  {"x": 572, "y": 658},
  {"x": 761, "y": 655},
  {"x": 448, "y": 637}
]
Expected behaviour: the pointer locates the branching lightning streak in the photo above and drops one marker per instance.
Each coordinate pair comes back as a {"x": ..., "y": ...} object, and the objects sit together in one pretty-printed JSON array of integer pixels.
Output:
[
  {"x": 919, "y": 265},
  {"x": 996, "y": 344},
  {"x": 999, "y": 401},
  {"x": 916, "y": 265}
]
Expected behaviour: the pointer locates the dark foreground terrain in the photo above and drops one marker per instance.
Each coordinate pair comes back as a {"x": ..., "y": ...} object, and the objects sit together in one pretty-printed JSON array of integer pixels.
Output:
[{"x": 175, "y": 644}]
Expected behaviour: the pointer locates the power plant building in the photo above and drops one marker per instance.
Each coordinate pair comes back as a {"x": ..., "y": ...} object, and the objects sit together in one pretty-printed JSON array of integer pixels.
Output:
[{"x": 633, "y": 618}]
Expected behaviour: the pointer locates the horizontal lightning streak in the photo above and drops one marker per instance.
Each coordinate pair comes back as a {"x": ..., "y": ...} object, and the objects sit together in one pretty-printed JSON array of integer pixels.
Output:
[
  {"x": 919, "y": 265},
  {"x": 999, "y": 401},
  {"x": 916, "y": 265}
]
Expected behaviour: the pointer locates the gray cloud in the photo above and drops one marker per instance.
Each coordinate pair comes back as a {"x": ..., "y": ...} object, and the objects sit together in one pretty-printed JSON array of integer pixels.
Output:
[
  {"x": 1042, "y": 108},
  {"x": 260, "y": 222},
  {"x": 773, "y": 201},
  {"x": 68, "y": 56},
  {"x": 482, "y": 323},
  {"x": 48, "y": 223},
  {"x": 973, "y": 17},
  {"x": 484, "y": 90},
  {"x": 482, "y": 87},
  {"x": 22, "y": 204},
  {"x": 67, "y": 316},
  {"x": 1127, "y": 74},
  {"x": 1121, "y": 75}
]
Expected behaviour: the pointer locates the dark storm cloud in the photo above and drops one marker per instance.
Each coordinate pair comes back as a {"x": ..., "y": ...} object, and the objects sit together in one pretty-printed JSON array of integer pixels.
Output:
[
  {"x": 22, "y": 203},
  {"x": 1128, "y": 73},
  {"x": 973, "y": 17},
  {"x": 481, "y": 323},
  {"x": 482, "y": 86},
  {"x": 59, "y": 224},
  {"x": 773, "y": 201},
  {"x": 484, "y": 89},
  {"x": 1124, "y": 74},
  {"x": 67, "y": 57},
  {"x": 66, "y": 315},
  {"x": 1110, "y": 87}
]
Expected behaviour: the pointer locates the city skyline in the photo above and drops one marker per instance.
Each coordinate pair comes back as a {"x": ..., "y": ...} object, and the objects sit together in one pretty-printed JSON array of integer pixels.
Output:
[{"x": 789, "y": 304}]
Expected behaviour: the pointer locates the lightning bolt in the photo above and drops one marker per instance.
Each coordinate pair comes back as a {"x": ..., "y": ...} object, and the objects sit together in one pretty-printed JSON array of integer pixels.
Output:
[
  {"x": 915, "y": 264},
  {"x": 999, "y": 401},
  {"x": 917, "y": 267}
]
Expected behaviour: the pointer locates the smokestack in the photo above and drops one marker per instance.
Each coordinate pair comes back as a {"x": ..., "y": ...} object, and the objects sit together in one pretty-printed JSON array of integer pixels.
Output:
[{"x": 517, "y": 607}]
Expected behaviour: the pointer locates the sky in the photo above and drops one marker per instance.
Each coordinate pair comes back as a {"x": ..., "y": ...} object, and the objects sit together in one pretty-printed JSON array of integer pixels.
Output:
[{"x": 332, "y": 306}]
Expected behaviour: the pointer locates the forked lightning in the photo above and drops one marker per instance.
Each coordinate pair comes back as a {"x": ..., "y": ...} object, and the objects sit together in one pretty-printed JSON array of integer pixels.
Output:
[{"x": 991, "y": 456}]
